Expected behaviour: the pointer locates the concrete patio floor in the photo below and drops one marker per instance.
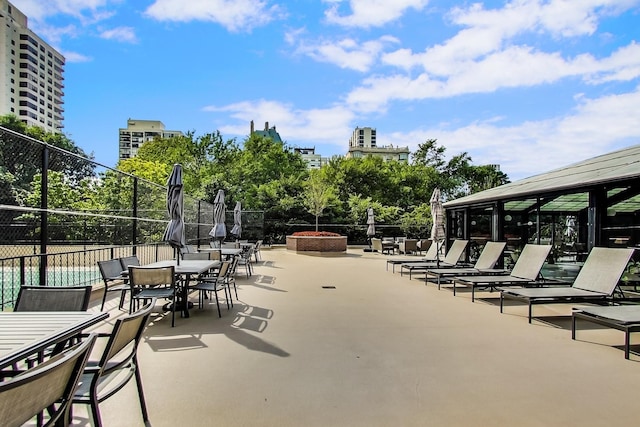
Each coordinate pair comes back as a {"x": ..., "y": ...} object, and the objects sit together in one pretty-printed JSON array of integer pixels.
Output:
[{"x": 377, "y": 350}]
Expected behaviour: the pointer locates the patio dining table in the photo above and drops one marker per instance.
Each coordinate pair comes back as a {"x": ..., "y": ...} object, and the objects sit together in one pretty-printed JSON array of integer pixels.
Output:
[
  {"x": 188, "y": 269},
  {"x": 23, "y": 334}
]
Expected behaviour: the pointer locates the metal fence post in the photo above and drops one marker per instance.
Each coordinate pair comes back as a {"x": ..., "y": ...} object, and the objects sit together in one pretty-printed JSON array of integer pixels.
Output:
[
  {"x": 134, "y": 231},
  {"x": 44, "y": 218}
]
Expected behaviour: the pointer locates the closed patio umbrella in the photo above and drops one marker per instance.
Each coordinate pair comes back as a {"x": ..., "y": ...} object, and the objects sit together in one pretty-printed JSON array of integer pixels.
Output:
[
  {"x": 437, "y": 215},
  {"x": 237, "y": 220},
  {"x": 371, "y": 221},
  {"x": 174, "y": 233},
  {"x": 219, "y": 230}
]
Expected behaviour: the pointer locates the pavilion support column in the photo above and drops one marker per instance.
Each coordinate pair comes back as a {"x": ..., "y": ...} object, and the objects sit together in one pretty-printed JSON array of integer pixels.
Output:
[
  {"x": 497, "y": 222},
  {"x": 596, "y": 217}
]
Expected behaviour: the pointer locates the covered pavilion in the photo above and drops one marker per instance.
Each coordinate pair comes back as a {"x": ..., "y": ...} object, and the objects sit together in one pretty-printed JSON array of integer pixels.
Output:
[{"x": 595, "y": 202}]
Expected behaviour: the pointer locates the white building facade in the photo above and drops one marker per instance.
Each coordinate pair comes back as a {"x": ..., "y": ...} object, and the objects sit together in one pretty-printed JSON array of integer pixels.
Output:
[
  {"x": 138, "y": 132},
  {"x": 32, "y": 73},
  {"x": 363, "y": 143}
]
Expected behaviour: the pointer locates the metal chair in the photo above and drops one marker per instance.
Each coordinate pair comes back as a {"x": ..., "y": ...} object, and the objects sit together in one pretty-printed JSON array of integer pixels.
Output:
[
  {"x": 111, "y": 272},
  {"x": 153, "y": 282},
  {"x": 256, "y": 250},
  {"x": 46, "y": 389},
  {"x": 245, "y": 259},
  {"x": 215, "y": 284},
  {"x": 53, "y": 298},
  {"x": 197, "y": 256},
  {"x": 126, "y": 261},
  {"x": 117, "y": 365}
]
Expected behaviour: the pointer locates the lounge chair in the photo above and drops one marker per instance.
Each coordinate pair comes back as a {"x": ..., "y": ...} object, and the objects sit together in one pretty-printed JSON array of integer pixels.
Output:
[
  {"x": 525, "y": 271},
  {"x": 595, "y": 283},
  {"x": 484, "y": 265},
  {"x": 454, "y": 255},
  {"x": 624, "y": 318},
  {"x": 431, "y": 255}
]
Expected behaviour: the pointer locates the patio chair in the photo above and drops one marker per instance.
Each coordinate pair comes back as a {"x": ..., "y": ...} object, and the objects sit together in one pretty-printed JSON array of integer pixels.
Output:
[
  {"x": 129, "y": 260},
  {"x": 256, "y": 250},
  {"x": 231, "y": 276},
  {"x": 117, "y": 365},
  {"x": 525, "y": 271},
  {"x": 153, "y": 283},
  {"x": 408, "y": 246},
  {"x": 431, "y": 255},
  {"x": 111, "y": 272},
  {"x": 624, "y": 318},
  {"x": 45, "y": 389},
  {"x": 424, "y": 245},
  {"x": 454, "y": 257},
  {"x": 245, "y": 259},
  {"x": 376, "y": 244},
  {"x": 53, "y": 298},
  {"x": 595, "y": 283},
  {"x": 213, "y": 284},
  {"x": 484, "y": 265}
]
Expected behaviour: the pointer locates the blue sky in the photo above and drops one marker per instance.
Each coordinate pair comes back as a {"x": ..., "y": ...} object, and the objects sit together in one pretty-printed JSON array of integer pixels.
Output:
[{"x": 530, "y": 85}]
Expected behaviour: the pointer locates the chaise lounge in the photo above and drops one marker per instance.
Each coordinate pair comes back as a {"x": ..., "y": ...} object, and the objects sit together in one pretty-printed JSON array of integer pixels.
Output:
[
  {"x": 484, "y": 265},
  {"x": 595, "y": 283},
  {"x": 525, "y": 271},
  {"x": 453, "y": 258}
]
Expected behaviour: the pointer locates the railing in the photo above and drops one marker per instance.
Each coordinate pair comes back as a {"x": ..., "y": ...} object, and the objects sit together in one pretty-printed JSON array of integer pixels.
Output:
[{"x": 73, "y": 267}]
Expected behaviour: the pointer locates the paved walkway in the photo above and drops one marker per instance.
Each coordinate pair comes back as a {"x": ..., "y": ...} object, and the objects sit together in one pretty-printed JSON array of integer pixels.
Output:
[{"x": 376, "y": 350}]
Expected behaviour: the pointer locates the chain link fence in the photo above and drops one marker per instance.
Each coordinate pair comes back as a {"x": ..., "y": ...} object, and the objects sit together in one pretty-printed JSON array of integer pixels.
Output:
[{"x": 61, "y": 211}]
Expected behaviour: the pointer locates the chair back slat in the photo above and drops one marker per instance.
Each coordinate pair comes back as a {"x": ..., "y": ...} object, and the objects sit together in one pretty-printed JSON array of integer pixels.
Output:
[
  {"x": 53, "y": 298},
  {"x": 145, "y": 276},
  {"x": 111, "y": 269},
  {"x": 530, "y": 261},
  {"x": 490, "y": 255},
  {"x": 125, "y": 262},
  {"x": 126, "y": 333},
  {"x": 456, "y": 252},
  {"x": 602, "y": 269},
  {"x": 197, "y": 256}
]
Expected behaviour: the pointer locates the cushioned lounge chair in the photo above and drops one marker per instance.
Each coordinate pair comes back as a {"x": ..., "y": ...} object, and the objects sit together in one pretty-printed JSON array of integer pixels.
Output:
[
  {"x": 484, "y": 265},
  {"x": 453, "y": 258},
  {"x": 525, "y": 271},
  {"x": 430, "y": 255},
  {"x": 624, "y": 318},
  {"x": 595, "y": 283}
]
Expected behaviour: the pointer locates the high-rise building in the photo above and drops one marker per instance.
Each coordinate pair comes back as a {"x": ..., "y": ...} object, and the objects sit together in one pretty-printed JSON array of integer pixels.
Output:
[
  {"x": 138, "y": 132},
  {"x": 32, "y": 73},
  {"x": 363, "y": 143}
]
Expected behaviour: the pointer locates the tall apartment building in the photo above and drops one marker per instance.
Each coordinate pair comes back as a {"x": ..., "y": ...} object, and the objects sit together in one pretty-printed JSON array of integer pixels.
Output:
[
  {"x": 138, "y": 132},
  {"x": 32, "y": 73},
  {"x": 363, "y": 143}
]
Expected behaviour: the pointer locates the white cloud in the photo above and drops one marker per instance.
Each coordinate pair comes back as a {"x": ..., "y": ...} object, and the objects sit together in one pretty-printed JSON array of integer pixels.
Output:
[
  {"x": 297, "y": 126},
  {"x": 371, "y": 13},
  {"x": 594, "y": 127},
  {"x": 91, "y": 10},
  {"x": 76, "y": 57},
  {"x": 234, "y": 15},
  {"x": 122, "y": 34},
  {"x": 345, "y": 53}
]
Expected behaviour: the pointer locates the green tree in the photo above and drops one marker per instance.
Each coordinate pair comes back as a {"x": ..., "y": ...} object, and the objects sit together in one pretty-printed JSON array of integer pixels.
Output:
[{"x": 318, "y": 195}]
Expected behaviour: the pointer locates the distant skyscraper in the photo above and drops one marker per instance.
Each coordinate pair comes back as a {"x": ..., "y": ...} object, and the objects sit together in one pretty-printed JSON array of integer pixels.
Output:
[
  {"x": 363, "y": 143},
  {"x": 32, "y": 73},
  {"x": 138, "y": 132}
]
